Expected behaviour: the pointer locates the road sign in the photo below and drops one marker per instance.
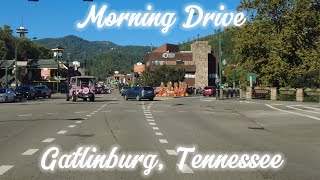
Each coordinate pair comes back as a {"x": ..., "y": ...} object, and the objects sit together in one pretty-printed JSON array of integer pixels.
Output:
[
  {"x": 253, "y": 77},
  {"x": 224, "y": 62}
]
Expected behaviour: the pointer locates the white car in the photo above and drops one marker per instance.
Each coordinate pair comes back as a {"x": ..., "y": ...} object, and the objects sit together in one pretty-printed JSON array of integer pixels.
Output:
[{"x": 7, "y": 95}]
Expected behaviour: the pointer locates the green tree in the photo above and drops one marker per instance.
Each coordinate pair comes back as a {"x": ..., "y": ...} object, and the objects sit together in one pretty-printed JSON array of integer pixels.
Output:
[{"x": 281, "y": 41}]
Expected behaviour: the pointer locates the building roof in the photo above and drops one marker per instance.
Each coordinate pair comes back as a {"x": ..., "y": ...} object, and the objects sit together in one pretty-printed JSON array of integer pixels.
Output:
[
  {"x": 6, "y": 63},
  {"x": 167, "y": 48},
  {"x": 45, "y": 63}
]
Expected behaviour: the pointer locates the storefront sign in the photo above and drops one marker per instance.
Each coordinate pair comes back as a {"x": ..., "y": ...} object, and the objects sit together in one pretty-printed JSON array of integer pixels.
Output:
[{"x": 168, "y": 55}]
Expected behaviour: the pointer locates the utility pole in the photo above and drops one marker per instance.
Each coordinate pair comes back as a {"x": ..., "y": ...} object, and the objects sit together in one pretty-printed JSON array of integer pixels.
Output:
[
  {"x": 7, "y": 76},
  {"x": 220, "y": 61}
]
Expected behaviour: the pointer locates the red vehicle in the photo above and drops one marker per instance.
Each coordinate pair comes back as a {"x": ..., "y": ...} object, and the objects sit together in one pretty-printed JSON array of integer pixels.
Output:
[{"x": 209, "y": 91}]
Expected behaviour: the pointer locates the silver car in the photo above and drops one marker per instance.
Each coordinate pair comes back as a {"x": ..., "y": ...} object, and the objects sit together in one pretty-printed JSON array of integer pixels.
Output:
[{"x": 7, "y": 95}]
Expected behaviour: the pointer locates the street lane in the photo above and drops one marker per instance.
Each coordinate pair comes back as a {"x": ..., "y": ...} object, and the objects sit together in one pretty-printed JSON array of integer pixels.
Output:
[{"x": 159, "y": 126}]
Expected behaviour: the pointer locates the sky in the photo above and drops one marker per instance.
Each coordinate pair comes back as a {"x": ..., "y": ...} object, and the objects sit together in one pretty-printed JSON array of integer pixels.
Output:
[{"x": 58, "y": 18}]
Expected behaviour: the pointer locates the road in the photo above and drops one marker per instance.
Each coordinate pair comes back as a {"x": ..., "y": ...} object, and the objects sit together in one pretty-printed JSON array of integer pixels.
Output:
[{"x": 28, "y": 129}]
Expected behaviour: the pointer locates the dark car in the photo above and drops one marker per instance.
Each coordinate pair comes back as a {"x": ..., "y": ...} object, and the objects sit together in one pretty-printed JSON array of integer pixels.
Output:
[
  {"x": 209, "y": 91},
  {"x": 27, "y": 92},
  {"x": 43, "y": 91},
  {"x": 124, "y": 89},
  {"x": 19, "y": 94},
  {"x": 190, "y": 90},
  {"x": 140, "y": 92}
]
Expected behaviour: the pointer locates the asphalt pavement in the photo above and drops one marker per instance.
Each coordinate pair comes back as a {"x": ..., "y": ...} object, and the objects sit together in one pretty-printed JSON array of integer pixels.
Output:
[{"x": 29, "y": 128}]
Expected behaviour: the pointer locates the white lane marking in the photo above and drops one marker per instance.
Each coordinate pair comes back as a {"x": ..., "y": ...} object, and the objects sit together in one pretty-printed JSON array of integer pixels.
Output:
[
  {"x": 159, "y": 134},
  {"x": 48, "y": 140},
  {"x": 290, "y": 112},
  {"x": 5, "y": 168},
  {"x": 52, "y": 113},
  {"x": 149, "y": 117},
  {"x": 155, "y": 128},
  {"x": 79, "y": 112},
  {"x": 163, "y": 141},
  {"x": 95, "y": 111},
  {"x": 277, "y": 104},
  {"x": 88, "y": 115},
  {"x": 150, "y": 120},
  {"x": 152, "y": 124},
  {"x": 24, "y": 115},
  {"x": 85, "y": 118},
  {"x": 171, "y": 152},
  {"x": 147, "y": 114},
  {"x": 185, "y": 169},
  {"x": 105, "y": 111},
  {"x": 308, "y": 107},
  {"x": 72, "y": 126},
  {"x": 98, "y": 109},
  {"x": 149, "y": 106},
  {"x": 61, "y": 132},
  {"x": 92, "y": 113},
  {"x": 78, "y": 122},
  {"x": 303, "y": 110},
  {"x": 29, "y": 152}
]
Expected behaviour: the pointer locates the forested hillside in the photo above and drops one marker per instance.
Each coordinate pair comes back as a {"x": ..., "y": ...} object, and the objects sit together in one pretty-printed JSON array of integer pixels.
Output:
[{"x": 100, "y": 56}]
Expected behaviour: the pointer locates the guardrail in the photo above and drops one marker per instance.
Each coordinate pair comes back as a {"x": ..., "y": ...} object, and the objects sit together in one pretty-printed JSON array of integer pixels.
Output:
[{"x": 283, "y": 94}]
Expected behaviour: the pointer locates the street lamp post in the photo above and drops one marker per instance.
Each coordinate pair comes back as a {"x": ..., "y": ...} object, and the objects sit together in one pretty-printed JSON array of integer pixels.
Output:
[
  {"x": 21, "y": 31},
  {"x": 58, "y": 53},
  {"x": 220, "y": 61}
]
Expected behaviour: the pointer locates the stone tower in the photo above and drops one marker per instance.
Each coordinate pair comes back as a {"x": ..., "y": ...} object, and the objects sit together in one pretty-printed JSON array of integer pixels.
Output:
[{"x": 200, "y": 56}]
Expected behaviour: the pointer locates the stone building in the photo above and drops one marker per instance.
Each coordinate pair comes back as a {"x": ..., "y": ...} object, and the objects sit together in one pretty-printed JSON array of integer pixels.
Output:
[{"x": 200, "y": 63}]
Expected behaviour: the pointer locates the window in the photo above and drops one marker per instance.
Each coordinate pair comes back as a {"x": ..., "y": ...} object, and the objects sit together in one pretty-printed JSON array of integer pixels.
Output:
[
  {"x": 189, "y": 75},
  {"x": 179, "y": 62},
  {"x": 155, "y": 62}
]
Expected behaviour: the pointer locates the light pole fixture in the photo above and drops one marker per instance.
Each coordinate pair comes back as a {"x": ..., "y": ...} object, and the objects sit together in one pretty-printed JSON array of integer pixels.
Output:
[
  {"x": 21, "y": 31},
  {"x": 57, "y": 52},
  {"x": 220, "y": 61}
]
